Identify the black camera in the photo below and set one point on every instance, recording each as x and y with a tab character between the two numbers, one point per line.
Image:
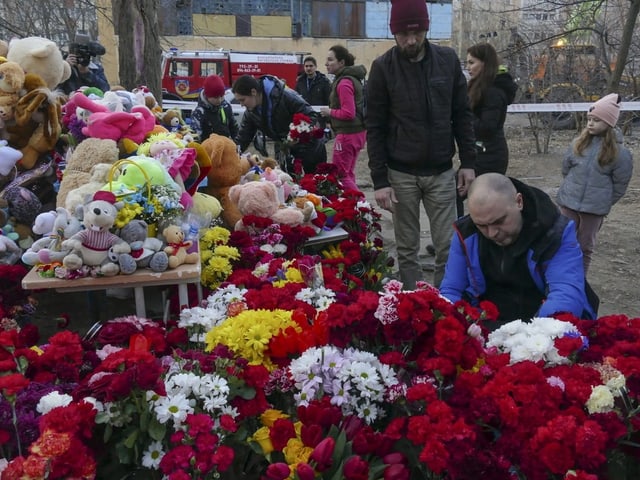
84	49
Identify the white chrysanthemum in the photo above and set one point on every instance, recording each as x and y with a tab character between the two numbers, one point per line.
353	379
53	400
175	408
114	415
153	455
183	382
214	389
196	317
368	411
601	400
305	295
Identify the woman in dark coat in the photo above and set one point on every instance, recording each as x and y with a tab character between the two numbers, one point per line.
491	89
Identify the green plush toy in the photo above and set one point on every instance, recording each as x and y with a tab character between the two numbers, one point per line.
138	171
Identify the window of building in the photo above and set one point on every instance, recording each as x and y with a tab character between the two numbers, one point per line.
338	19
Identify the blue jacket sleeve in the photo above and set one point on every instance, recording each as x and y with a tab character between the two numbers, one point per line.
456	279
564	278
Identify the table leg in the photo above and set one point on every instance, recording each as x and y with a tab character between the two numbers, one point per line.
183	296
140	306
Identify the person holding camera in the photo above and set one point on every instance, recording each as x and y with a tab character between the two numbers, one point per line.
84	71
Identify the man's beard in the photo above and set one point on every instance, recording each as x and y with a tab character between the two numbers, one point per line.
412	52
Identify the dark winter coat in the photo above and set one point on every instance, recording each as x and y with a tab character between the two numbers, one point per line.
315	91
488	125
273	118
416	114
207	119
553	259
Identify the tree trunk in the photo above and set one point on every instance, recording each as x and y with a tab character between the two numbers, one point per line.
140	54
625	45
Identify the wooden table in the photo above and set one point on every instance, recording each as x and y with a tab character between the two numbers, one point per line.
180	276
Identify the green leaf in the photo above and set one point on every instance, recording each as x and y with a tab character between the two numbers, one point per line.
130	441
157	430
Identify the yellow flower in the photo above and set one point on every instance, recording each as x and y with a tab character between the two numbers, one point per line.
261	437
227	252
215	236
248	333
269	416
291	275
296	452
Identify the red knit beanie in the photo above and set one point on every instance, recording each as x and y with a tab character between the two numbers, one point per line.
407	15
213	86
607	109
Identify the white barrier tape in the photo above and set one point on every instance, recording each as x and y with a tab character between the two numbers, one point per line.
515	108
563	107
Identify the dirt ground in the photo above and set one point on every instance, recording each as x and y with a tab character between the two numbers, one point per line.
614	273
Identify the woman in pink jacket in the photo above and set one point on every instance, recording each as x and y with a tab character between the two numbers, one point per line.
346	112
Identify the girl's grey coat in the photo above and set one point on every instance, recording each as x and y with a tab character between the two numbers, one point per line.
589	188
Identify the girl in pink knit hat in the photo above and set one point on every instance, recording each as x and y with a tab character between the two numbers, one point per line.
596	170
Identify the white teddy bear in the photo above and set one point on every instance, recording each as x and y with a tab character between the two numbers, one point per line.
91	246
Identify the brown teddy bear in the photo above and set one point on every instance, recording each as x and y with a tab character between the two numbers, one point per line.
177	247
227	167
37	126
11	79
88	153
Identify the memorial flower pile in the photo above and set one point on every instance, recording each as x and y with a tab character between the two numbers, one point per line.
314	364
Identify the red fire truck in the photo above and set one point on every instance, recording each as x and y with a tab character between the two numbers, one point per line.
183	72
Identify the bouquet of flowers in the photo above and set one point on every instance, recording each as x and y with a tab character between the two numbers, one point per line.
303	130
160	207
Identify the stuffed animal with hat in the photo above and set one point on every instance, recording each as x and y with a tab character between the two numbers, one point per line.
90	247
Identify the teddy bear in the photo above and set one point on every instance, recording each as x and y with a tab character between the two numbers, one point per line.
9	251
7	113
77	172
42	57
177	247
227	167
146	252
9	156
48	248
260	199
90	247
36	127
12	79
99	175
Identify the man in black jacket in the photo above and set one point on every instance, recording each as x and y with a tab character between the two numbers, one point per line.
313	85
417	112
